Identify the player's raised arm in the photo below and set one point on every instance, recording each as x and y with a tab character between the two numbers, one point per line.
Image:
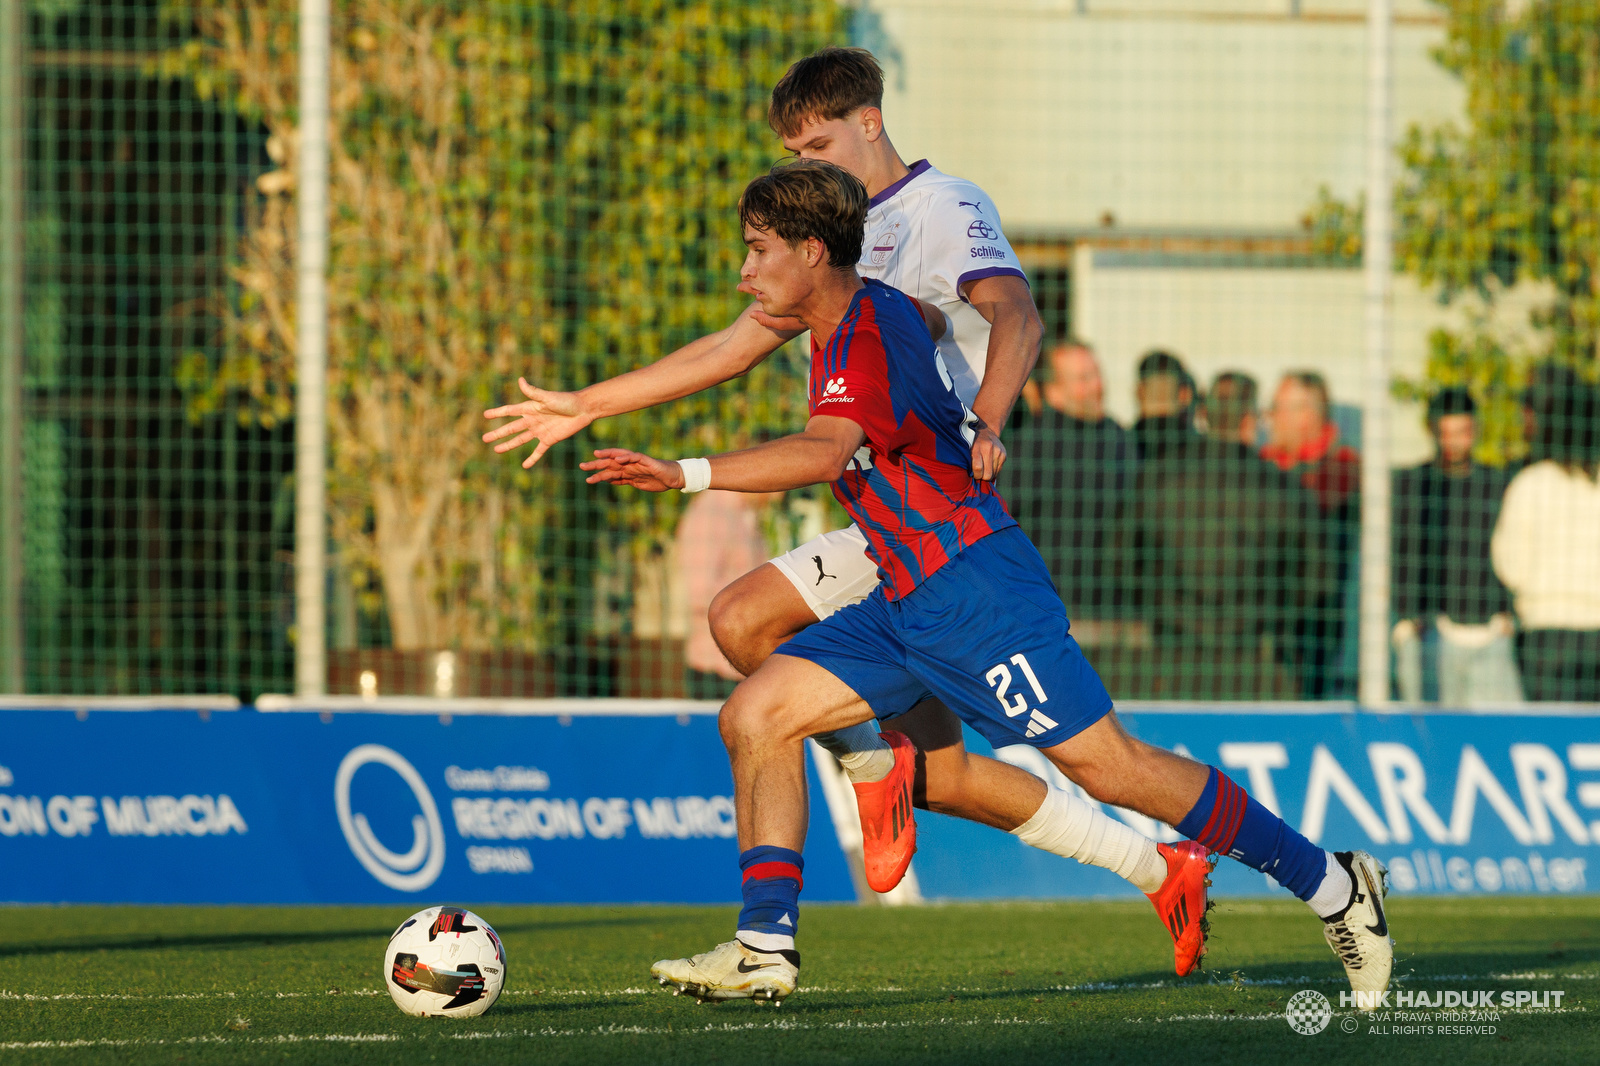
819	454
1014	335
550	417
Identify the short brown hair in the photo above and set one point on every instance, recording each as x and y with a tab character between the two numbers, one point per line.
1315	384
809	198
825	85
1231	400
1044	370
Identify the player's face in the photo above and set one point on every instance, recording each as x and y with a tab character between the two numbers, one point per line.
1296	415
777	275
1457	434
844	142
1082	391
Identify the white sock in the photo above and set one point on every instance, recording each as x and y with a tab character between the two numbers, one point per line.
1333	895
1066	825
766	941
862	753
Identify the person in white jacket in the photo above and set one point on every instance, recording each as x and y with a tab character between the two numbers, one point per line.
1546	548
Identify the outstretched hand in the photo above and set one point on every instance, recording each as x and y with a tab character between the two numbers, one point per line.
622	467
782	324
549	417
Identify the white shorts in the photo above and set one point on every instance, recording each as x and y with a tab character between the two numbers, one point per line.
831	571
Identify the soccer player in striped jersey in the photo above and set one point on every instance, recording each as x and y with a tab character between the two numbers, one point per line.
965	609
940	239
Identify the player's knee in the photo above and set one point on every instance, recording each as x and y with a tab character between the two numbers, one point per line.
753	714
1104	778
736	721
743	627
1105	761
1099	784
729	616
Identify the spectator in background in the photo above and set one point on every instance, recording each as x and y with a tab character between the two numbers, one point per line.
719	540
1451	605
1304	443
1166	404
1546	547
1225	557
1547	383
1231	410
1068	470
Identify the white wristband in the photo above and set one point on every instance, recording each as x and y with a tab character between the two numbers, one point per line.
696	474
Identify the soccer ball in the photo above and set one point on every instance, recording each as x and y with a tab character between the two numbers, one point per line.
444	962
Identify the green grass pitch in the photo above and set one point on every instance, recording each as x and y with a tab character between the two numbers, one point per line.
994	984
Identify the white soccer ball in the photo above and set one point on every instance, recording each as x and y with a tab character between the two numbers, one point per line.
444	962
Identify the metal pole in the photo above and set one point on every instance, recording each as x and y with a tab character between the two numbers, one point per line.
1378	266
311	400
13	186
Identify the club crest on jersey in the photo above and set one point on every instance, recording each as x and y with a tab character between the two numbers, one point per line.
883	246
982	229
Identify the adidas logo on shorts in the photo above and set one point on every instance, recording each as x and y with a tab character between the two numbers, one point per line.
1039	722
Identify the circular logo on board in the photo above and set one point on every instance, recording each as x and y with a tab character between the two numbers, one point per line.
1308	1012
417	868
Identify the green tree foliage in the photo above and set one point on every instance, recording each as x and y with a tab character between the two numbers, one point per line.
538	188
1513	197
1335	228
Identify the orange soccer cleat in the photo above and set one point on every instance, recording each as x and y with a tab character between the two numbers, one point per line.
888	829
1181	901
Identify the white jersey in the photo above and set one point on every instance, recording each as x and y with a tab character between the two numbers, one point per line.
929	234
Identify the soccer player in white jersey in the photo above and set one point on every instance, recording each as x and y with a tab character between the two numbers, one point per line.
939	239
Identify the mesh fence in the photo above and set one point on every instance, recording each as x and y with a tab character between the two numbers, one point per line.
547	189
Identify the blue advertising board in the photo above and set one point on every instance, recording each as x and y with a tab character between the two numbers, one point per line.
249	807
365	808
1452	803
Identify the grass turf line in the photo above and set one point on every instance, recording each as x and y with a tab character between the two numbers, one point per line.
969	983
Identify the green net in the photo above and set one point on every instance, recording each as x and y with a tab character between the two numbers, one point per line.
547	189
151	542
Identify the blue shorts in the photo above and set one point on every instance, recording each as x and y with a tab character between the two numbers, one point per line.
987	634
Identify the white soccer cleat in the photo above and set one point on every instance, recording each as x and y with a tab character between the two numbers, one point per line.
1359	934
732	971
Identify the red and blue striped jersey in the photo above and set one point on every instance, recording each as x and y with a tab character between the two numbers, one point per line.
910	489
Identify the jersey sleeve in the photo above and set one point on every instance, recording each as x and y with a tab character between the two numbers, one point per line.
855	381
964	240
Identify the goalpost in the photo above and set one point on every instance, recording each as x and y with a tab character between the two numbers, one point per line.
1378	268
311	400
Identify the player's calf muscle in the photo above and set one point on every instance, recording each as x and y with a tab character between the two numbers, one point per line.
952	781
981	789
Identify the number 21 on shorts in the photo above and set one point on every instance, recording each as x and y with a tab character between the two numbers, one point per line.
1016	703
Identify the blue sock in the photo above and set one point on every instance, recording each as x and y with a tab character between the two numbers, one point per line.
1227	821
771	897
